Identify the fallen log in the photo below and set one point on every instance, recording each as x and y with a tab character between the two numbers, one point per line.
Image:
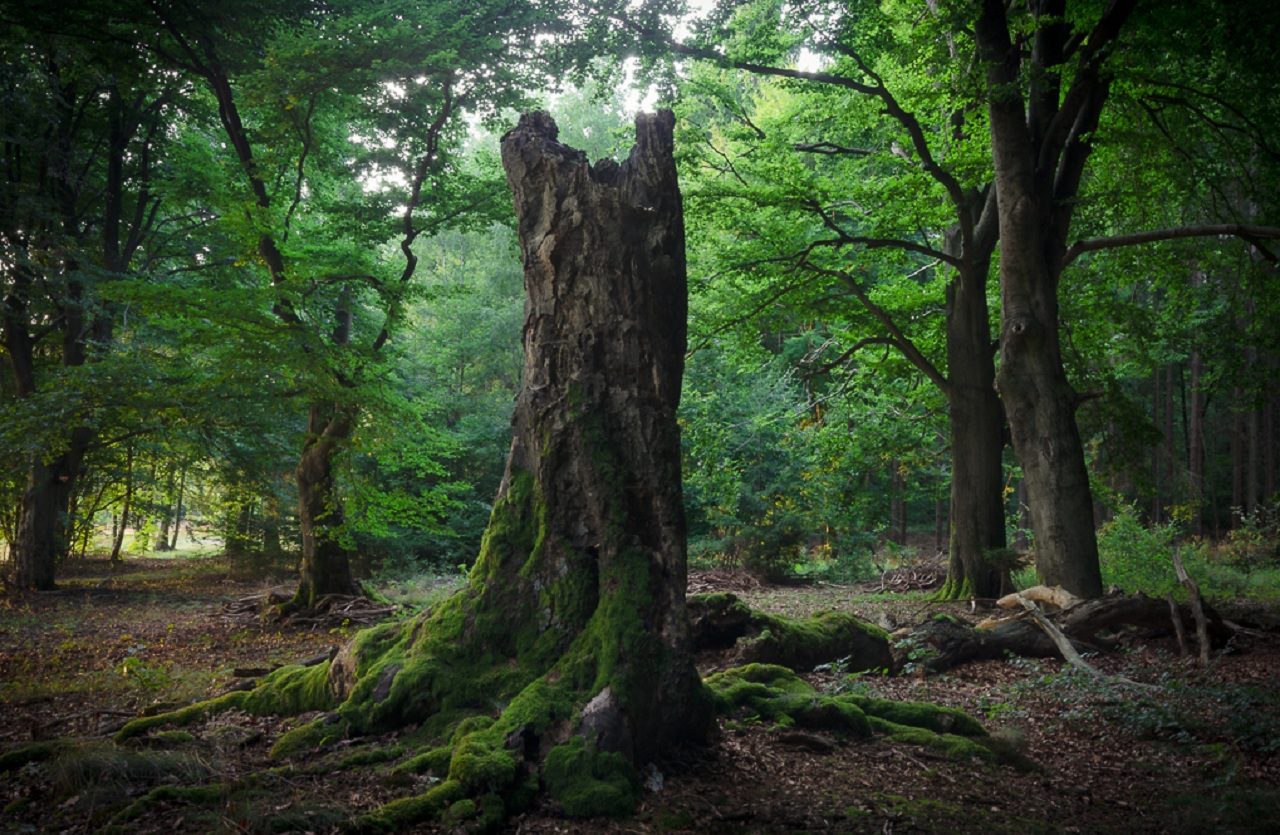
944	641
722	623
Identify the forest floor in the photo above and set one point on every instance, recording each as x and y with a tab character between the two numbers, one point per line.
1200	752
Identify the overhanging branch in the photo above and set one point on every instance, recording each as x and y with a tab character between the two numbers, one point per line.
1239	230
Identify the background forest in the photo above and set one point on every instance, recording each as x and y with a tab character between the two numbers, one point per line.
233	236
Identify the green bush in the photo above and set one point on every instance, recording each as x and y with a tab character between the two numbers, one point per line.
1136	557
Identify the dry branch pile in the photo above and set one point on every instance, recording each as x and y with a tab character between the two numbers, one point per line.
330	611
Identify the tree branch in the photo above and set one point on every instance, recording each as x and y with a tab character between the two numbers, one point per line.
1136	238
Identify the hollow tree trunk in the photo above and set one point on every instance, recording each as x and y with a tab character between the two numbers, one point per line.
326	563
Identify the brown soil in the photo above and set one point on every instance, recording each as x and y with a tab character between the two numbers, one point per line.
1200	754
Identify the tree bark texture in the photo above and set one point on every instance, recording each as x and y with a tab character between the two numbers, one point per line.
326	562
977	441
595	423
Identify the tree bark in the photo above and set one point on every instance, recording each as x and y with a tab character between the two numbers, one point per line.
595	424
573	618
977	441
326	562
117	546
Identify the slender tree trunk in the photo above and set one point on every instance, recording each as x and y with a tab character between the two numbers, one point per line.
1195	442
118	545
166	516
1157	451
179	510
897	504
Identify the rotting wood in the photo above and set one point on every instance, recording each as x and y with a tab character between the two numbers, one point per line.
1178	629
1092	625
1197	606
1055	596
1068	650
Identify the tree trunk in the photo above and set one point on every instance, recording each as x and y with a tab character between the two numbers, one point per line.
166	516
573	619
977	441
1041	139
326	562
1041	407
117	546
33	547
897	504
179	510
1195	442
595	424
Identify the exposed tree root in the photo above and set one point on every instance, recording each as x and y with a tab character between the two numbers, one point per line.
723	622
776	694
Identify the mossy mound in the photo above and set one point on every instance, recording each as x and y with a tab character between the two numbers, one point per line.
775	694
721	620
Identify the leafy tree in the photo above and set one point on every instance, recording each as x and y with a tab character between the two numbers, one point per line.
84	134
306	96
1036	93
867	187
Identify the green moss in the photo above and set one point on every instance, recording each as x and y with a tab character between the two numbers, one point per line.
213	793
470	725
480	763
460	811
953	746
776	694
291	690
922	715
589	783
407	811
33	753
315	734
436	761
491	815
164	739
371	756
954	589
183	716
825	637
